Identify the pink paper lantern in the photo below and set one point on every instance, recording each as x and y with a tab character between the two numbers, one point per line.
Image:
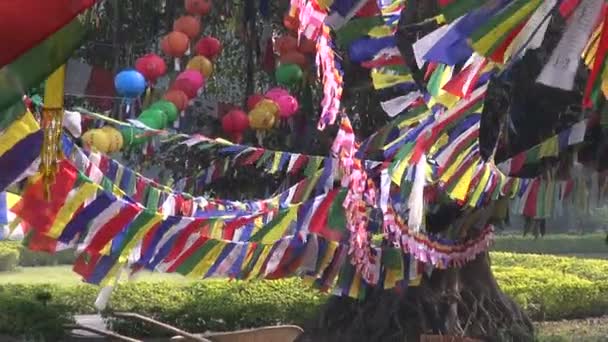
194	76
288	106
275	93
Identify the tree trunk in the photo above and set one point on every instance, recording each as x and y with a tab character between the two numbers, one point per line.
453	302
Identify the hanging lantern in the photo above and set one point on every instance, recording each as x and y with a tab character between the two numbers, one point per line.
114	137
198	7
292	23
275	93
188	87
288	106
202	65
151	66
132	136
307	46
168	107
188	25
294	57
261	119
288	74
129	84
175	44
178	98
269	106
154	118
96	139
285	44
253	100
193	76
235	123
209	47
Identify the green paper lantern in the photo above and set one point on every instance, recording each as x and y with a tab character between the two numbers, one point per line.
130	136
168	108
288	74
153	118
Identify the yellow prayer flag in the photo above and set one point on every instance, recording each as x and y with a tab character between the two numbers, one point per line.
549	148
86	191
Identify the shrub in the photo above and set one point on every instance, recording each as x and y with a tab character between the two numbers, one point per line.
28	258
9	255
32	320
552	244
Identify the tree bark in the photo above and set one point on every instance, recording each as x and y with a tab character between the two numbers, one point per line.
454	302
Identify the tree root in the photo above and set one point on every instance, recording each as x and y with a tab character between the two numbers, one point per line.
456	302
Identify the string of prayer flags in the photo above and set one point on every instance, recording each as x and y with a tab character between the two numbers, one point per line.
597	84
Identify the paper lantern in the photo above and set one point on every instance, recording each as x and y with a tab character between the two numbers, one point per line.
193	76
178	98
154	118
175	44
97	140
253	100
151	66
288	106
209	47
307	45
187	86
269	106
132	136
261	119
168	107
285	44
198	7
188	25
202	65
114	137
288	74
276	92
130	83
235	123
291	23
294	57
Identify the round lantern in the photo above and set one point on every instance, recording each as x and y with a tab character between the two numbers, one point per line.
193	76
130	83
276	92
151	66
294	57
286	44
178	98
253	100
268	106
153	118
175	44
198	7
288	106
188	25
209	47
114	137
307	45
168	107
97	140
291	22
132	136
187	86
202	65
235	123
288	74
261	119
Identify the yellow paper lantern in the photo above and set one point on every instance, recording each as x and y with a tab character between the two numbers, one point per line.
268	106
115	137
261	119
202	65
97	140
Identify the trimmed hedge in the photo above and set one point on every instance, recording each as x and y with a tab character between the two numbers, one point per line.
552	244
27	258
547	287
9	256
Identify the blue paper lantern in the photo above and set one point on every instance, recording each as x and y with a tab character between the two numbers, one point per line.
130	83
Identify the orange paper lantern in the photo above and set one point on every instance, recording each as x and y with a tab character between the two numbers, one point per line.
294	57
307	45
178	98
188	25
175	44
286	44
291	23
